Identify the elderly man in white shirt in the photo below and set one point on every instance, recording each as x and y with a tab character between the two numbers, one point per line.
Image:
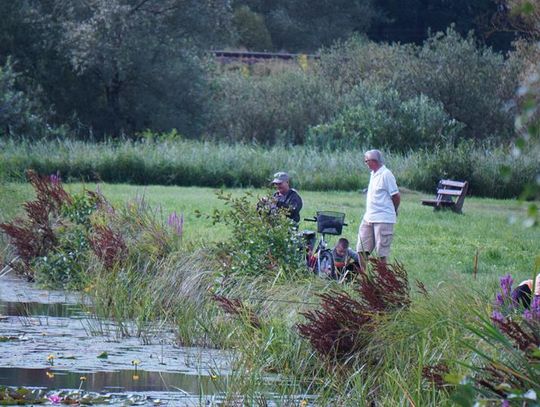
377	227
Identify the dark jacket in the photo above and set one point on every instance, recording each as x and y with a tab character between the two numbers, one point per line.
292	202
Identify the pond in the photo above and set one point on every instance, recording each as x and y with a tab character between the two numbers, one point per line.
50	342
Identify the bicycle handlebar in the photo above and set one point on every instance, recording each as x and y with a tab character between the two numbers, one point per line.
315	220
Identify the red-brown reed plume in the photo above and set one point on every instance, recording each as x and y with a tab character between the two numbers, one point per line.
108	245
342	325
33	236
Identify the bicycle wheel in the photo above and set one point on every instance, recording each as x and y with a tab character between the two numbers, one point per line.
325	264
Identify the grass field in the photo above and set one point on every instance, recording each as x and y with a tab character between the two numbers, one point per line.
435	247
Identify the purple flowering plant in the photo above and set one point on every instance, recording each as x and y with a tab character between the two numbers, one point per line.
176	223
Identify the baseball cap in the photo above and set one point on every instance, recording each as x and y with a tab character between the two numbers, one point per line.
280	177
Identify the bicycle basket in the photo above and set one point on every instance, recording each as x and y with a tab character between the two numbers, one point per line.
330	223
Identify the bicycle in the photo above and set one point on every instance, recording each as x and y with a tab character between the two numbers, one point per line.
321	261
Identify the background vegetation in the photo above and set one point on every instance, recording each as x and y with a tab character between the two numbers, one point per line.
172	161
113	69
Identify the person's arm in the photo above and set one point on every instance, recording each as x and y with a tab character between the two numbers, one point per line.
296	203
396	200
353	255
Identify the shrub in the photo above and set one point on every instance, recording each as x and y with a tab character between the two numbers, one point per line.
263	239
343	325
351	63
34	236
280	107
63	236
65	264
473	83
381	118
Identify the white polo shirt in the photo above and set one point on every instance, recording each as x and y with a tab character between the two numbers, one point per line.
379	205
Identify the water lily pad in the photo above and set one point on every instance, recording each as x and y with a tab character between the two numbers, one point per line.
103	355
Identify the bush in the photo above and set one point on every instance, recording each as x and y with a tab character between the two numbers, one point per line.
63	235
356	61
381	118
474	83
263	239
268	109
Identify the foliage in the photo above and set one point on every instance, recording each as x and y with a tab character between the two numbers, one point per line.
64	265
270	109
528	130
122	65
263	238
20	112
507	349
189	163
344	325
107	39
297	26
381	118
474	84
34	236
251	29
63	235
358	61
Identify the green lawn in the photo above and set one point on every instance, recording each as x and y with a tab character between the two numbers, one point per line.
436	247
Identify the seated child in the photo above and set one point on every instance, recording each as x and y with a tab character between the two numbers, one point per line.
345	259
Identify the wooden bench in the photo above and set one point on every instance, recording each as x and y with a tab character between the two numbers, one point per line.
450	195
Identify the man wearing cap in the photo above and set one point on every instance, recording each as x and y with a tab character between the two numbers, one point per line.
382	202
287	197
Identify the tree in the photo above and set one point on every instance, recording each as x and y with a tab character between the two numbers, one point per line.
20	114
299	25
251	29
137	51
412	20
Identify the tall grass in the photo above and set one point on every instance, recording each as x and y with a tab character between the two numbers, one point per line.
190	163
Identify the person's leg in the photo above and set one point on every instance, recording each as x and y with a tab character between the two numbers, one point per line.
384	234
365	243
522	294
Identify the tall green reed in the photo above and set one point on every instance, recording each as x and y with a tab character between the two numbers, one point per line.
188	163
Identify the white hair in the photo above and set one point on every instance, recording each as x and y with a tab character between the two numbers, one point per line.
374	155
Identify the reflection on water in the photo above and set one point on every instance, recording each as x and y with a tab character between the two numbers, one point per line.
50	341
26	309
120	381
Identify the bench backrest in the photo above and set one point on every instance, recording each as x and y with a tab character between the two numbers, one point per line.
448	189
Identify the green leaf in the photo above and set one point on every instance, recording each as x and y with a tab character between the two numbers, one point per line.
453	378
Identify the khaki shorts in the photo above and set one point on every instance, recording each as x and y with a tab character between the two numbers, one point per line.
375	236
